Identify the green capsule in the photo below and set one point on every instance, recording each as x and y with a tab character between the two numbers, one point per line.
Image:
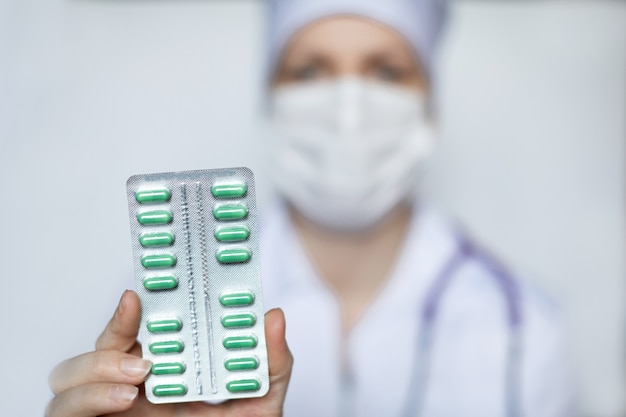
166	282
237	299
243	385
234	189
171	346
239	342
232	233
238	320
231	256
164	326
241	364
171	368
154	217
169	390
149	240
235	211
157	195
165	260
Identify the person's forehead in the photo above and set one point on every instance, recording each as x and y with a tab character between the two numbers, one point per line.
346	34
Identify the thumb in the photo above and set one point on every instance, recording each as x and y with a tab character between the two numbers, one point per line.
121	331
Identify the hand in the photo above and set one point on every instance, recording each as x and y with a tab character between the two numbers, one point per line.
105	382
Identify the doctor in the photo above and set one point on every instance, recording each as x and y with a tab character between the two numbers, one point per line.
392	310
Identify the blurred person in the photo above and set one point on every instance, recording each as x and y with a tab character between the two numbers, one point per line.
392	309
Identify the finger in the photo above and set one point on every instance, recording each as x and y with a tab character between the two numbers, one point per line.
279	356
121	332
109	366
93	400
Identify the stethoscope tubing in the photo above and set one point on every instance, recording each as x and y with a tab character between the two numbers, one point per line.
464	252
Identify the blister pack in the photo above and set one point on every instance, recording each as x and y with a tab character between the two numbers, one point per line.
198	275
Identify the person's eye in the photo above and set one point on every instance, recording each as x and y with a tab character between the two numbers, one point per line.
389	73
306	73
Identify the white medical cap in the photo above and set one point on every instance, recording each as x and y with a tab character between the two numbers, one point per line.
419	21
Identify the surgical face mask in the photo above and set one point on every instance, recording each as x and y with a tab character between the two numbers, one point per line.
345	152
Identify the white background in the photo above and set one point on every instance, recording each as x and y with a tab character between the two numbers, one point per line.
531	159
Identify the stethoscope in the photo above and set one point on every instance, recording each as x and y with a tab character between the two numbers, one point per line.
418	386
465	252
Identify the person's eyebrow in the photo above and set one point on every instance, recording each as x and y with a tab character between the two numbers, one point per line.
307	57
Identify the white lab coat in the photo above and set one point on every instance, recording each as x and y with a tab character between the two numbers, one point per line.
468	358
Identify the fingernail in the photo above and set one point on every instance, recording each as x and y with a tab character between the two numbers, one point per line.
123	393
135	367
122	304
